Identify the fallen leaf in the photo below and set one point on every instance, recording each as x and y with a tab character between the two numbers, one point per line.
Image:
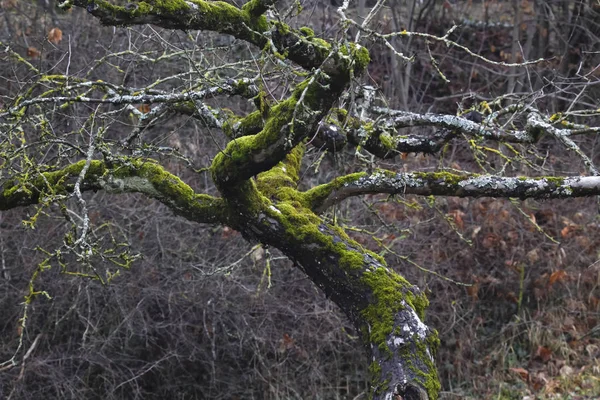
145	108
523	373
457	216
32	52
543	353
55	36
473	291
557	276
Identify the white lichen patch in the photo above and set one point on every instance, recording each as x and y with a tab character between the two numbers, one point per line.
129	184
191	5
395	342
272	207
417	327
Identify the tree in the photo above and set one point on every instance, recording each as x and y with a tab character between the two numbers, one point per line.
258	170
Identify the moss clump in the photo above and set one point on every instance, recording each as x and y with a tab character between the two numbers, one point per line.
248	156
300	223
314	197
305	226
213	15
554	180
428	380
306	31
387	141
27	189
390	294
375	377
283	175
251	124
446	177
255	8
362	58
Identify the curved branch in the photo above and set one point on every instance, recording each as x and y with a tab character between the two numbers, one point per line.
387	311
137	176
448	184
288	123
247	24
282	179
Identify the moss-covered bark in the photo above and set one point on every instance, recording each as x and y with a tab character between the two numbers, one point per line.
132	175
387	310
257	175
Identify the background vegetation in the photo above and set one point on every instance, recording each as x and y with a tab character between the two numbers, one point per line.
203	314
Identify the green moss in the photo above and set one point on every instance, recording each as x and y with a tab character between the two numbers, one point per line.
284	175
376	378
251	124
231	165
306	31
374	370
314	197
426	375
428	380
323	44
302	224
260	101
361	56
554	180
242	151
390	294
28	189
351	260
255	8
447	177
556	117
215	15
387	140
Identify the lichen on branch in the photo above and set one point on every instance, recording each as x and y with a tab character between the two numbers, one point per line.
134	176
449	184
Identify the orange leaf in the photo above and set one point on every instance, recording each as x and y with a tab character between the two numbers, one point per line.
457	216
473	291
55	35
490	240
523	373
593	301
565	231
557	276
543	353
145	108
286	343
33	52
8	4
287	339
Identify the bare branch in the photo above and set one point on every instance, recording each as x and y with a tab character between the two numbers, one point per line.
448	184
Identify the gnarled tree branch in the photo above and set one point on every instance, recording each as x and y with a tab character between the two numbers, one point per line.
135	176
449	184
